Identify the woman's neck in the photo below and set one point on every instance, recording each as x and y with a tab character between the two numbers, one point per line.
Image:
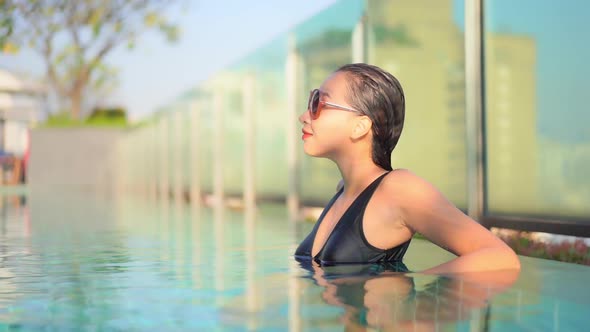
357	175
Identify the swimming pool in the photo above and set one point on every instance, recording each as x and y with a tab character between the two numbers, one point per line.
70	261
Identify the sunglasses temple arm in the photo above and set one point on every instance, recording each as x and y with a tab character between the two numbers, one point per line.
341	107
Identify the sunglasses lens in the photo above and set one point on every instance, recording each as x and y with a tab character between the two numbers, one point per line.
314	101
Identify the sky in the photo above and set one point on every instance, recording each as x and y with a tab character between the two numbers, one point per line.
214	34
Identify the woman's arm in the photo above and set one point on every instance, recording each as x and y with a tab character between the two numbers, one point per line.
426	211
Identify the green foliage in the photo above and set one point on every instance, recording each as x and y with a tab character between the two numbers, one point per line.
100	117
6	25
108	116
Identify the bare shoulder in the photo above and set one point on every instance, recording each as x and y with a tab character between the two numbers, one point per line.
415	196
405	183
401	190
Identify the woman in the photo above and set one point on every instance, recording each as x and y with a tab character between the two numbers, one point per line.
355	119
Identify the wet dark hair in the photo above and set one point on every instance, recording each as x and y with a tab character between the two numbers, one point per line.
378	95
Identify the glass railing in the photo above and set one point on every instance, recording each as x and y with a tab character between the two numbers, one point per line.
537	142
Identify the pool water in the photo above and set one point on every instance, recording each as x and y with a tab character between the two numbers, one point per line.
73	261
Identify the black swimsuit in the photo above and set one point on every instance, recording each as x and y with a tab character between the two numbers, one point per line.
347	243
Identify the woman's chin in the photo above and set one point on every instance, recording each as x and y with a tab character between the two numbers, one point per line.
310	152
313	150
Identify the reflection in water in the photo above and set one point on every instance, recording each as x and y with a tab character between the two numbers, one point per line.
86	264
58	259
11	207
252	304
195	224
387	297
163	224
218	215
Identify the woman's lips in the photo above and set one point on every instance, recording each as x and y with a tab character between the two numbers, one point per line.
305	135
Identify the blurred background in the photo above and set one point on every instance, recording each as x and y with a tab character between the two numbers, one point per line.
198	101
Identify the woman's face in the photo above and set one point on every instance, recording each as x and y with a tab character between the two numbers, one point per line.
330	132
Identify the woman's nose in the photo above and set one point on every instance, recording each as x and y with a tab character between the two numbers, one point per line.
304	117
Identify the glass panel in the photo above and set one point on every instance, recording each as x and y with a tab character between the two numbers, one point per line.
229	84
266	67
203	106
266	70
538	141
422	44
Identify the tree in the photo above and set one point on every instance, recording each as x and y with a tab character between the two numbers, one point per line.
74	37
5	25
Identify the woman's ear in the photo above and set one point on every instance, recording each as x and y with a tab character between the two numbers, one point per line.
361	128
